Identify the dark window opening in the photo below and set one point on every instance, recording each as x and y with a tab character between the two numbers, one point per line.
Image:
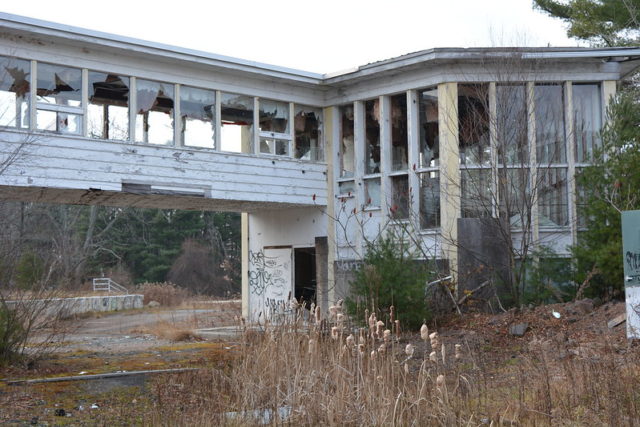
305	276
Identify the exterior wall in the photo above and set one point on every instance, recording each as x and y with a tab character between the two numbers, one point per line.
67	307
272	237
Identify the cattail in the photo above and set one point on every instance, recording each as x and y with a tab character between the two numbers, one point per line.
312	346
293	304
434	340
392	312
408	350
335	332
444	354
380	328
373	354
397	322
333	310
350	341
361	350
406	368
339	306
433	357
458	350
440	383
340	320
382	349
387	335
318	315
362	340
372	322
424	332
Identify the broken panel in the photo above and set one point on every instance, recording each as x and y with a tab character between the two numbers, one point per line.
346	188
236	123
372	193
14	92
155	103
549	114
553	199
429	200
512	125
198	117
372	136
429	156
399	133
587	108
308	133
108	110
274	127
347	150
59	98
473	124
401	197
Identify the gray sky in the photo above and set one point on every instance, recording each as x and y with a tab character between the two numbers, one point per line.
320	36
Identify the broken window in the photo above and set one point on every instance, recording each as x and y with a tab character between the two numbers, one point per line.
553	197
154	121
429	132
372	193
399	134
14	92
473	124
512	124
587	107
275	137
429	200
237	123
372	136
346	188
308	133
515	196
401	197
197	115
549	113
475	193
108	110
346	145
59	93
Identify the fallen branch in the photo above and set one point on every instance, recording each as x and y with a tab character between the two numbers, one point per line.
98	376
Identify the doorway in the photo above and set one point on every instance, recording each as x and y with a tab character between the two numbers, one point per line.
305	275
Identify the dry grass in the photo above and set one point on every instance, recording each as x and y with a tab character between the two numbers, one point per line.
169	331
167	294
341	376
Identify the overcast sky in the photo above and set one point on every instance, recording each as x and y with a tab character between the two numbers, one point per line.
320	36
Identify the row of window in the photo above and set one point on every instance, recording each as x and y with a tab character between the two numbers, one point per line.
165	113
510	116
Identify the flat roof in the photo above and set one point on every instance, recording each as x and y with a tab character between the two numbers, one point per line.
72	33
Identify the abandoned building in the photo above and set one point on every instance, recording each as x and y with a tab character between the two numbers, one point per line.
456	147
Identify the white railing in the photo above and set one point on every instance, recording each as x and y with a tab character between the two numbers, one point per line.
106	284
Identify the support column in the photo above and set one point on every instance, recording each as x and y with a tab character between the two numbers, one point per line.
413	123
244	249
449	172
386	189
332	143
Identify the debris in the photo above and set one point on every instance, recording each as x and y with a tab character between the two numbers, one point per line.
518	329
94	406
82	372
556	314
60	412
617	320
153	304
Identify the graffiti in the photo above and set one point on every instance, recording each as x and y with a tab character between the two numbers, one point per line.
266	275
633	260
348	265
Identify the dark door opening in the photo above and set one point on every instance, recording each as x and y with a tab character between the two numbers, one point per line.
305	275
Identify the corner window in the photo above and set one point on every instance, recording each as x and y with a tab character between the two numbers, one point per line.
14	92
197	117
308	133
108	110
236	123
59	99
154	121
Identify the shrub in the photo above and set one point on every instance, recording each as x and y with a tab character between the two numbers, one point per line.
12	334
167	294
390	275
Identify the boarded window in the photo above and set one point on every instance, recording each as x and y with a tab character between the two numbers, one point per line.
154	121
237	123
14	92
197	114
108	111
